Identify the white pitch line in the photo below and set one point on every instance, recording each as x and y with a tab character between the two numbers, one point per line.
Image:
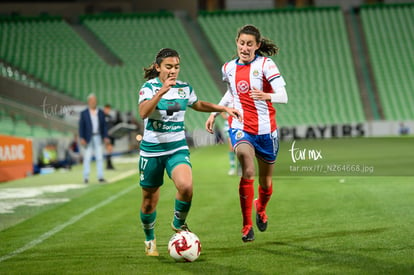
124	175
66	224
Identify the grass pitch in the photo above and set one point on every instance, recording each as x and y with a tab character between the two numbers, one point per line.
337	222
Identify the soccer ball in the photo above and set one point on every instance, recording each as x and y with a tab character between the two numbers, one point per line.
184	246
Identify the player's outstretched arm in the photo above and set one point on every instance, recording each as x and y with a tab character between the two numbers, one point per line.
204	106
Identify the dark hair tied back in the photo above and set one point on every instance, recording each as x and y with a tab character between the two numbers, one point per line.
151	72
164	53
267	47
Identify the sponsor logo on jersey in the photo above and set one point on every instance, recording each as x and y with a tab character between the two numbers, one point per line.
157	125
255	73
242	86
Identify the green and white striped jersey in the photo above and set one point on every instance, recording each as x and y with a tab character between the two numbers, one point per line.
164	128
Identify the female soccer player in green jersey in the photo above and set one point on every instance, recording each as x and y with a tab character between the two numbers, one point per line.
163	100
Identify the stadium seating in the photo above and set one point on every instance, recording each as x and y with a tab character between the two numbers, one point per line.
314	58
21	128
390	39
49	49
14	124
7	125
137	39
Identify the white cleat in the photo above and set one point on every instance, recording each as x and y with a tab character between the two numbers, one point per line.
151	248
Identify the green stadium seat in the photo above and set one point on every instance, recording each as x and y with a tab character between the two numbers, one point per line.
7	126
22	129
392	65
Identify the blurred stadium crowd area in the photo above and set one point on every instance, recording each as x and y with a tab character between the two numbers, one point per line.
349	62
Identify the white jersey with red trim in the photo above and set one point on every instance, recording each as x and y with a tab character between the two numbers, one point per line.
259	116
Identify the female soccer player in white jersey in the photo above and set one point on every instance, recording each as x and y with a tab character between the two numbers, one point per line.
163	100
254	84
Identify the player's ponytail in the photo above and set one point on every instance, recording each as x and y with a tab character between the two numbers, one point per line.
267	47
151	71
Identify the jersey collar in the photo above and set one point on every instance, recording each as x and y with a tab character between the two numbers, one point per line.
238	63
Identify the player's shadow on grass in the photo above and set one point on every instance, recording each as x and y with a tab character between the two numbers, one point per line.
340	234
334	255
205	266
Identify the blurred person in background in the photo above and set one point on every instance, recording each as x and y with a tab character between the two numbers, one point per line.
93	132
227	100
110	122
48	158
74	151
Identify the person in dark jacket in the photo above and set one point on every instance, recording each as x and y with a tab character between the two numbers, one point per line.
93	132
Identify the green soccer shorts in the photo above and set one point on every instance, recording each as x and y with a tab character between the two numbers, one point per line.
151	169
